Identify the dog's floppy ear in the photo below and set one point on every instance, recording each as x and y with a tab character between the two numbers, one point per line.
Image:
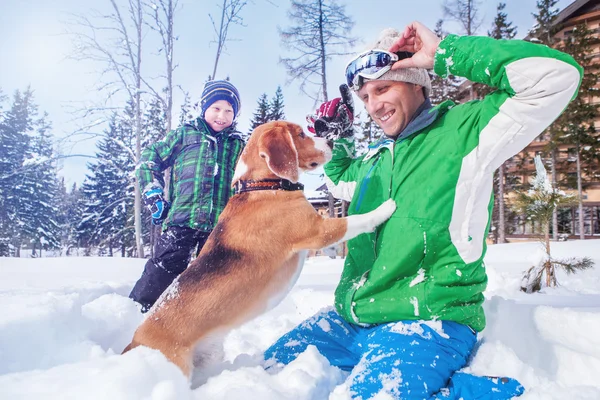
277	148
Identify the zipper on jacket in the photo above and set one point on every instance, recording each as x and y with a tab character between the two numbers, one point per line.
363	185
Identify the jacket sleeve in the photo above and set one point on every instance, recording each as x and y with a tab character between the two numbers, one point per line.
341	173
156	158
534	85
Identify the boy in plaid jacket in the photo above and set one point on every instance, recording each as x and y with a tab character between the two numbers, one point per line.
202	156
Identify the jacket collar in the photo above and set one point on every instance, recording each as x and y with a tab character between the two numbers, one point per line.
200	125
424	116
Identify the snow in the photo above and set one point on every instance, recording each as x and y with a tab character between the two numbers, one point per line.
64	322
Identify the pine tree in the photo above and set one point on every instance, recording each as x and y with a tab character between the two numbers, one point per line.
38	193
544	32
187	112
107	220
276	107
366	132
154	128
3	98
501	29
443	89
261	115
545	29
69	216
538	204
15	129
575	127
154	123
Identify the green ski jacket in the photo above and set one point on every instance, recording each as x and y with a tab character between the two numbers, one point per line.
202	164
426	261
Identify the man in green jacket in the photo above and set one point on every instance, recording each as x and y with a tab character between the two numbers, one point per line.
202	156
409	303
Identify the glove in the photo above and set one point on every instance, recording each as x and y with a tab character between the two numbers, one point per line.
333	120
158	206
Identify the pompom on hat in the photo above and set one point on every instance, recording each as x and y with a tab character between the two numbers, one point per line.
418	76
220	90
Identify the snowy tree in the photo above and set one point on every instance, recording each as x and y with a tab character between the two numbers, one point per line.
154	123
69	215
545	29
502	28
107	220
538	204
366	132
3	98
443	89
115	40
576	126
16	127
320	31
544	32
38	193
261	114
267	110
276	107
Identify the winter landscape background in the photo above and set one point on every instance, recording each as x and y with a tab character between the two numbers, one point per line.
66	191
64	322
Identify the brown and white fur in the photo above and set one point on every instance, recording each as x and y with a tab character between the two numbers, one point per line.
256	251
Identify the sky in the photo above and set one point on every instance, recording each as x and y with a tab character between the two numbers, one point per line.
65	321
35	52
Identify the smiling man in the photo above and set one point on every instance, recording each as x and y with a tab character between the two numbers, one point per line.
409	302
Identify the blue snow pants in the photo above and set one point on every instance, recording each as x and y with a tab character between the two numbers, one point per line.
405	360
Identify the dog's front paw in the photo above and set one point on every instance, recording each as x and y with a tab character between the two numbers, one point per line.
385	210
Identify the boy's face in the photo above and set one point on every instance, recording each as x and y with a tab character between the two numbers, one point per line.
219	115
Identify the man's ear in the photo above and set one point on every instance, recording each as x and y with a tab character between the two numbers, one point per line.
277	148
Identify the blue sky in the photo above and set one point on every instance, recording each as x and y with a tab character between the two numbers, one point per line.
34	53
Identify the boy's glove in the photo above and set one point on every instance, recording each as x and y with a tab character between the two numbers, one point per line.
333	120
158	206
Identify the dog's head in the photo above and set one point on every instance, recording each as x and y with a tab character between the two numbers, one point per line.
283	149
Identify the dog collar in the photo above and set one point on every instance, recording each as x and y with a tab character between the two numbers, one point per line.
266	184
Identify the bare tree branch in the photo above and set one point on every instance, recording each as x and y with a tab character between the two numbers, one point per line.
320	32
230	14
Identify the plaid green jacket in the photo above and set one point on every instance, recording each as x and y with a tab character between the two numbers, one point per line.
202	169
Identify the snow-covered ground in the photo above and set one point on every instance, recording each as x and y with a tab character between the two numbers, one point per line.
64	321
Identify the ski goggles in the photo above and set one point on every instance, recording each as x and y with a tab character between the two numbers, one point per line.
371	65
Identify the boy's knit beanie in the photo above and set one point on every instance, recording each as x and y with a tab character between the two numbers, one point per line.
220	90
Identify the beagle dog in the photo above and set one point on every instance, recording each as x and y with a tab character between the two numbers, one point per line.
255	253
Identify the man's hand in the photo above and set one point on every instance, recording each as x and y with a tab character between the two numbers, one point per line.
158	206
419	40
334	118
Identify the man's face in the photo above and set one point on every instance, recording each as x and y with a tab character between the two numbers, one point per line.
219	115
391	104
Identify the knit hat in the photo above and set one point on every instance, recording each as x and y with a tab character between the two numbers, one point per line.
220	90
418	76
